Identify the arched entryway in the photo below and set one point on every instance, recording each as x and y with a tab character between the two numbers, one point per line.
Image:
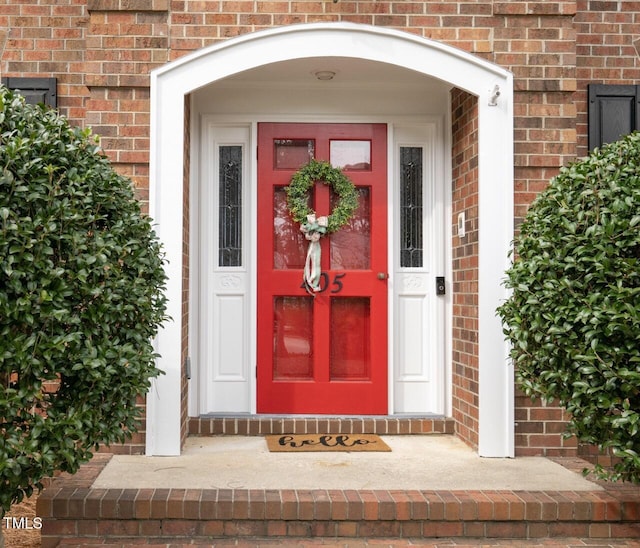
363	48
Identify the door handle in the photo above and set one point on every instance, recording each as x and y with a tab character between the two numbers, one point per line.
382	275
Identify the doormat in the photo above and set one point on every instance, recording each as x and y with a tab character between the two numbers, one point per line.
302	443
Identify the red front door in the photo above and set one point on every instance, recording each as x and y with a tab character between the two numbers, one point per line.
324	354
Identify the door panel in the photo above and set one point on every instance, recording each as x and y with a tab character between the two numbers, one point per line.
326	353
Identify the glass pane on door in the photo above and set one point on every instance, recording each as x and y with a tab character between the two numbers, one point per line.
351	155
350	338
293	153
351	245
290	245
293	338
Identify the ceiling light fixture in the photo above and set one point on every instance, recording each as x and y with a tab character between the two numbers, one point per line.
324	75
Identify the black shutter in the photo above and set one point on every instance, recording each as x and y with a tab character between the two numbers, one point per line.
614	111
34	90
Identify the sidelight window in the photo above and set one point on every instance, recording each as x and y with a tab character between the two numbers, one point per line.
230	206
411	207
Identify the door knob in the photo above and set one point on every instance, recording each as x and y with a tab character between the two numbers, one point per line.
382	275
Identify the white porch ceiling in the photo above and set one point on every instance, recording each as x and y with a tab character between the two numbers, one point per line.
348	71
359	87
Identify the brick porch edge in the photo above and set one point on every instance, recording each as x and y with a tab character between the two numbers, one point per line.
72	509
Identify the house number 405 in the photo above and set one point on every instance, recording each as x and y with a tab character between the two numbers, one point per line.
336	283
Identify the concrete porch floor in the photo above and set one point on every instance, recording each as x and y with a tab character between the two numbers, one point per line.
436	462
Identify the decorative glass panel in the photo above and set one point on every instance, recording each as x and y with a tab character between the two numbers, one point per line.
411	207
350	338
293	153
351	245
230	206
293	338
290	245
351	155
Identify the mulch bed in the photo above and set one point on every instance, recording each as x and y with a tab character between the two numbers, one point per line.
19	537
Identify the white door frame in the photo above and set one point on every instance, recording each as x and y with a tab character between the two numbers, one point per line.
223	351
170	84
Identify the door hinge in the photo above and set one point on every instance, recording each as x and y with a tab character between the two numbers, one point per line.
441	286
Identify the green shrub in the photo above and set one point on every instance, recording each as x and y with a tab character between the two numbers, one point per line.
81	297
573	317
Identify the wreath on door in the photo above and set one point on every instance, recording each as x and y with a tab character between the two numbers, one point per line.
314	227
305	178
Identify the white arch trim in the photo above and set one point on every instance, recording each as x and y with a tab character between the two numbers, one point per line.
169	85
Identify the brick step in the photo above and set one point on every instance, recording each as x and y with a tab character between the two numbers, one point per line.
73	511
258	425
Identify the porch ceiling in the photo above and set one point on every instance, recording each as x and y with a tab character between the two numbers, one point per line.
348	71
359	87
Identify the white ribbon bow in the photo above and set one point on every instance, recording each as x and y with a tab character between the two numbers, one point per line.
313	230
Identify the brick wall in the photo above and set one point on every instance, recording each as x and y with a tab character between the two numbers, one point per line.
47	38
464	154
195	24
102	51
123	45
536	41
539	429
592	42
607	49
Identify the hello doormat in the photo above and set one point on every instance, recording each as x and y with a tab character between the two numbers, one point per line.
298	443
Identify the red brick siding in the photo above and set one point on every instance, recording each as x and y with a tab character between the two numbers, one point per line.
48	38
551	128
123	46
120	115
195	24
539	429
608	51
464	130
536	41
